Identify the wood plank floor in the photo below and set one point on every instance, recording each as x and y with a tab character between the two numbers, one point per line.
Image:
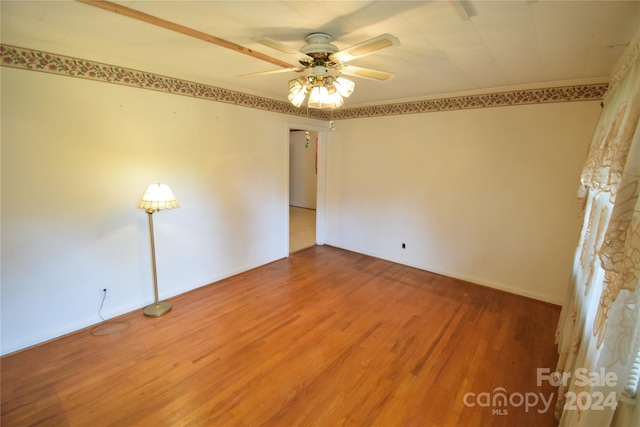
325	337
302	228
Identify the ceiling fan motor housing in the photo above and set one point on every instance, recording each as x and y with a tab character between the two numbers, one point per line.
318	46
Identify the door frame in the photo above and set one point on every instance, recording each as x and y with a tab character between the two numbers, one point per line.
321	179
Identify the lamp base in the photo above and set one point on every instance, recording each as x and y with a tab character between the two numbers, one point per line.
157	310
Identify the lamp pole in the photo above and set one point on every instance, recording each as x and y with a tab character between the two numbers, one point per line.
158	308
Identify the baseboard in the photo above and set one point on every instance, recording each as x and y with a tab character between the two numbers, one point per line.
460	276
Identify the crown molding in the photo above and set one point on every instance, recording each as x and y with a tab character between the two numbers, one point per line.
34	60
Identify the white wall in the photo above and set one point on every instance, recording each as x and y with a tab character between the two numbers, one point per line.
486	195
77	156
302	169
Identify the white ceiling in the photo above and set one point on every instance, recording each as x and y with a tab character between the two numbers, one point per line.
508	44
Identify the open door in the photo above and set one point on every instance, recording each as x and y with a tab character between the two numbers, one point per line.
303	184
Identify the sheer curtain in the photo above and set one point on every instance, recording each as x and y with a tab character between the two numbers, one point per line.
598	334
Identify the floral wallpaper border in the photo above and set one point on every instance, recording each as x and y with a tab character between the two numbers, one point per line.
519	97
17	57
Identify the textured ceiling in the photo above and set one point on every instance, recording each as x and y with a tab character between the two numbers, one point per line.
507	44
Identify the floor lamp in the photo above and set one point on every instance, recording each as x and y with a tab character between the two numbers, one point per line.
157	197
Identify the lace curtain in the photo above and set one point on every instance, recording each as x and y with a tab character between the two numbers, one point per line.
599	330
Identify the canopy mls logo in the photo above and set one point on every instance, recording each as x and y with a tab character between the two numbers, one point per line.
499	400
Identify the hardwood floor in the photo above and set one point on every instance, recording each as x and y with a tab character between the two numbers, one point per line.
325	337
302	228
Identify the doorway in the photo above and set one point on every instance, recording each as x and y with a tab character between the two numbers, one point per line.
303	184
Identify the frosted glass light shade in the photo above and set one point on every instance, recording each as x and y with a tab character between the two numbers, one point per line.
335	100
325	97
344	86
319	97
158	197
324	91
297	91
298	98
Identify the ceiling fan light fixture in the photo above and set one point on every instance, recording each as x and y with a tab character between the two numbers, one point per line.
296	85
319	97
297	91
335	99
344	86
325	96
297	99
324	91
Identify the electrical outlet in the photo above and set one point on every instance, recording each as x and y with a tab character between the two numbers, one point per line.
104	294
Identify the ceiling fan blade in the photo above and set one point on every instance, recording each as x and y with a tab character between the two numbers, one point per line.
266	73
365	48
367	73
275	44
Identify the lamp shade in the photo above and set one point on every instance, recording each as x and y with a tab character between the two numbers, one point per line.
325	91
319	97
297	91
335	100
344	86
158	197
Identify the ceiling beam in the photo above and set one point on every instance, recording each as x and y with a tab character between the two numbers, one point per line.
159	22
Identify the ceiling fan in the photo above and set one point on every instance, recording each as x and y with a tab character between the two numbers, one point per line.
323	65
